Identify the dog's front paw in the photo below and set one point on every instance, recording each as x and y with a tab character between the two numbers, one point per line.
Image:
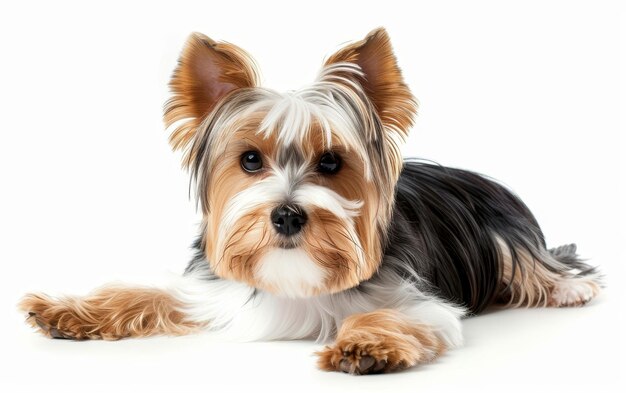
58	319
356	359
381	341
110	313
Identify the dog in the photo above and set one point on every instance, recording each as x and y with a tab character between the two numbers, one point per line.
315	226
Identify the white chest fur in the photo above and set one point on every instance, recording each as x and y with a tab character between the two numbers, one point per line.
291	272
236	311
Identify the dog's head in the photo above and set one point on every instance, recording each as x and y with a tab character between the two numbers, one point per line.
296	188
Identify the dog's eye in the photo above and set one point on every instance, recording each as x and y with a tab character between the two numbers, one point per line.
329	163
251	161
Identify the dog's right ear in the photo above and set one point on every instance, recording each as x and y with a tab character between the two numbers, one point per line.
207	72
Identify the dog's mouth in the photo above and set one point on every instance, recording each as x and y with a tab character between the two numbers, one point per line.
288	243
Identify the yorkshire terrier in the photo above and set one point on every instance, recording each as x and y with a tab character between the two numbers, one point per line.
315	226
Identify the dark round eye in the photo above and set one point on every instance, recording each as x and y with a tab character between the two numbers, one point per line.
251	161
329	163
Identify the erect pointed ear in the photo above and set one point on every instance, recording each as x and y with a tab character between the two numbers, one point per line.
207	72
382	79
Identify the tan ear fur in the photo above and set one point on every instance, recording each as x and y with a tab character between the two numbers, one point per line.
383	82
207	72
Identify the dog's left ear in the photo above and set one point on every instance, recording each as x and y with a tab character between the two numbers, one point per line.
382	79
207	72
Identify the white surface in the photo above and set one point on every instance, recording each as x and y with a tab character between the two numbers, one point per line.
91	193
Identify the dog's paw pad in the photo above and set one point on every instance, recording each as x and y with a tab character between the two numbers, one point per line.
366	362
55	333
48	329
363	365
357	360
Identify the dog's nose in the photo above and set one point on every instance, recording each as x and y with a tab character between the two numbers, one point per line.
288	220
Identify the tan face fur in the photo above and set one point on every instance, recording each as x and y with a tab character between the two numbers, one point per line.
359	109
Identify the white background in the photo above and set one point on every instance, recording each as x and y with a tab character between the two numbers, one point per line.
91	193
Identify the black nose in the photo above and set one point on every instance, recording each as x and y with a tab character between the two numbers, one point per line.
288	220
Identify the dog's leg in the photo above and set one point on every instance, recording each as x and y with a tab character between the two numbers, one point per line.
110	313
388	340
553	278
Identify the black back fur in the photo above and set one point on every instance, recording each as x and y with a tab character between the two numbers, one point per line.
444	228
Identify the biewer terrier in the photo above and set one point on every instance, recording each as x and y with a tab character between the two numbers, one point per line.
315	226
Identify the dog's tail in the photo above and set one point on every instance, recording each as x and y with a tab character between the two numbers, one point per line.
566	255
